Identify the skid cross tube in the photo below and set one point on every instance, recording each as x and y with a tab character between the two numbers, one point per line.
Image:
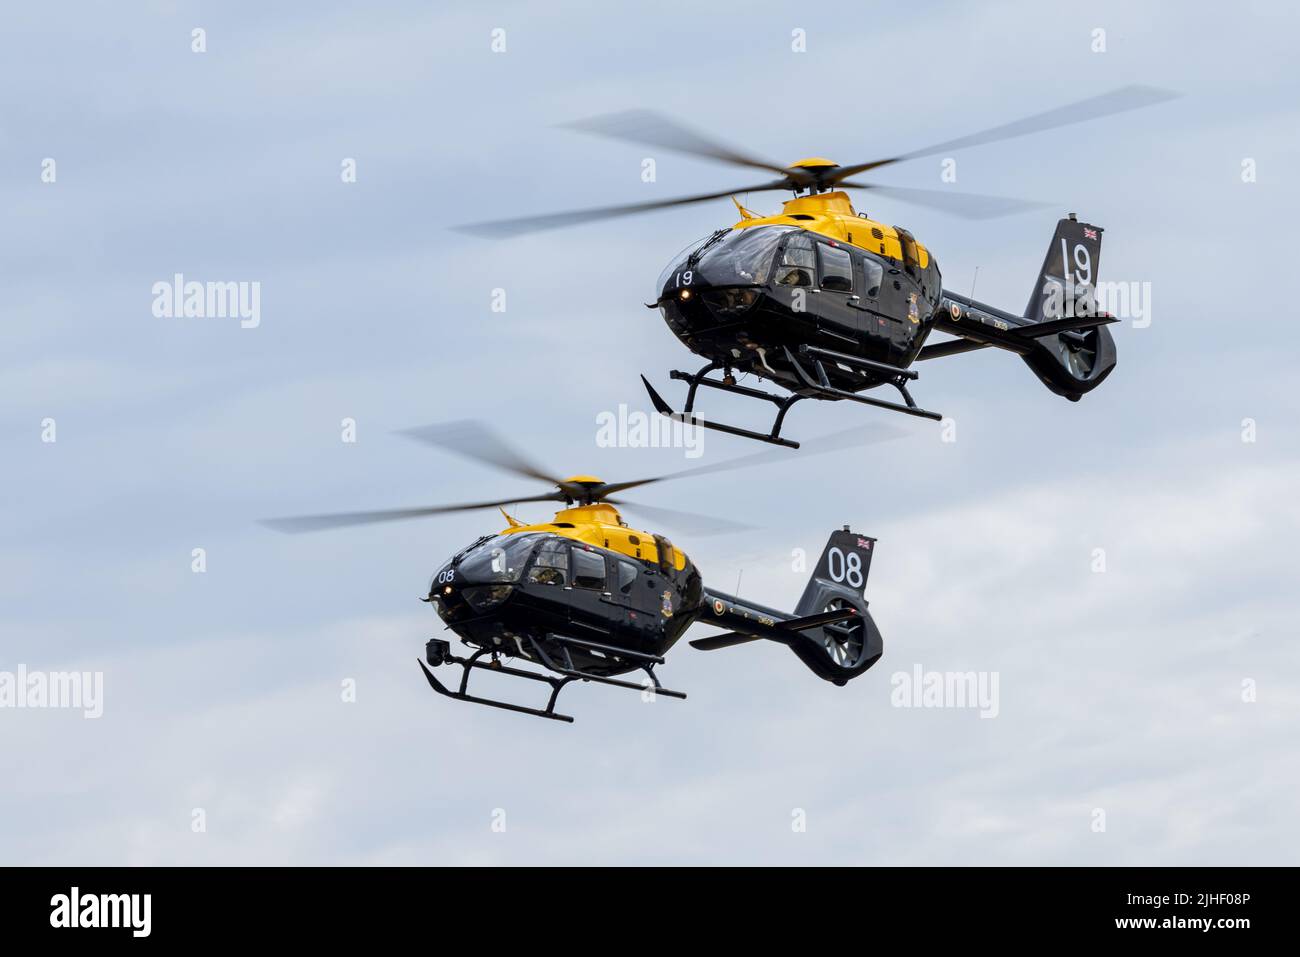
607	649
857	362
822	388
473	662
772	437
575	673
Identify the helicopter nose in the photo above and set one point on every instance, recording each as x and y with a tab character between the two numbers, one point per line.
681	315
725	302
467	598
707	305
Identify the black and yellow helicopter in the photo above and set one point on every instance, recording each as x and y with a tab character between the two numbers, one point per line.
589	598
830	304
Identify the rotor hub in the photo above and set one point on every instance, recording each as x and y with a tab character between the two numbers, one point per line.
582	489
815	170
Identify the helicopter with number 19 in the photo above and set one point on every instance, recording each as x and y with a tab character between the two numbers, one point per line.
830	304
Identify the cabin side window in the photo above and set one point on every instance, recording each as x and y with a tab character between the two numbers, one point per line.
911	255
873	275
551	564
837	268
626	577
797	263
932	285
588	569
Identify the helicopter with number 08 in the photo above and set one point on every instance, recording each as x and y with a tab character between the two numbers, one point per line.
830	304
589	598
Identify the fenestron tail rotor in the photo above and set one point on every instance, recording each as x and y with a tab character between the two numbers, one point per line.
476	441
646	127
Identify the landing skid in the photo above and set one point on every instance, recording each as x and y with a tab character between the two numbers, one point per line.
899	378
700	378
472	662
438	652
815	384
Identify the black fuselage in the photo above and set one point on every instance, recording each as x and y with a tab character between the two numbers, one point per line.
544	584
745	314
742	298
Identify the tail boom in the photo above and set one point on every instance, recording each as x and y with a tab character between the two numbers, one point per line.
830	631
1062	335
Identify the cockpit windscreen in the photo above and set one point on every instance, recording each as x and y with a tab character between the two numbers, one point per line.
743	257
499	559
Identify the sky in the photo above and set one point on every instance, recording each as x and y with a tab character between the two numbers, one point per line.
1122	566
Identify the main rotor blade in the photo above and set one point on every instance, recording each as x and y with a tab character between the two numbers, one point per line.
697	524
503	228
476	440
317	523
969	205
1116	101
857	436
655	129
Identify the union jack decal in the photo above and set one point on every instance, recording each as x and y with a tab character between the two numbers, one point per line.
1089	233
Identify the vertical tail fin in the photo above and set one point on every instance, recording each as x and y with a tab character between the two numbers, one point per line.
1069	270
1070	363
843	569
844	650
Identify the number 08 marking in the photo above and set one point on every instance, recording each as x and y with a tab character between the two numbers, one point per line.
844	568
